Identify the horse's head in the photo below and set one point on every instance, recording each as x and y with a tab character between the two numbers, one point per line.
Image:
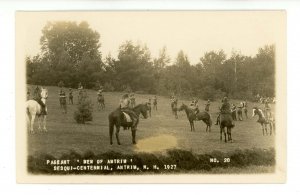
254	111
181	107
144	109
44	93
257	111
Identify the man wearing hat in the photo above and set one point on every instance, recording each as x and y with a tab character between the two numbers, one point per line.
124	106
225	109
207	106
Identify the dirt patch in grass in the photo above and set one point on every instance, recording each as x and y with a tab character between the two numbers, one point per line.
156	144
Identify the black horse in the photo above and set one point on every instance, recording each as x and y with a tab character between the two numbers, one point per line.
226	121
117	118
204	116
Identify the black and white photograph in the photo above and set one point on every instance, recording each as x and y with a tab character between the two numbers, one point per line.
151	96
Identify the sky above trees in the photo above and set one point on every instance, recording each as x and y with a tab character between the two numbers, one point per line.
193	32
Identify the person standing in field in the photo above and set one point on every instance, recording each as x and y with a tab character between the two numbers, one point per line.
70	96
149	103
155	103
207	106
62	100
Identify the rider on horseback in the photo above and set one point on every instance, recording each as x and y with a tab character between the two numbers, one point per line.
99	93
124	106
224	109
38	98
194	106
267	109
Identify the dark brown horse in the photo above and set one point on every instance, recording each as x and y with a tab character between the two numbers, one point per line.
226	121
117	118
204	116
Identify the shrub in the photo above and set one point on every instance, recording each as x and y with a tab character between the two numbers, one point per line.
84	109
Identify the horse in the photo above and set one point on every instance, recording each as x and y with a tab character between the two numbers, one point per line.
226	121
263	121
174	108
100	101
117	119
192	116
34	109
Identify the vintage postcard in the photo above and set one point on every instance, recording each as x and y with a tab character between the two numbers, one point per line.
151	96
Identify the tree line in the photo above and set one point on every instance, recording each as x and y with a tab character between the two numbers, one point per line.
71	53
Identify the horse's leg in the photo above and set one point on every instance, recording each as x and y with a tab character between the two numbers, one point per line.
111	131
191	125
39	119
117	134
225	134
44	122
263	130
32	122
133	133
229	134
221	133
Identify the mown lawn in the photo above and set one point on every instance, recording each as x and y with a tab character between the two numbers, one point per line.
155	135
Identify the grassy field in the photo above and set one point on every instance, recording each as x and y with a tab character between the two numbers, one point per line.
156	134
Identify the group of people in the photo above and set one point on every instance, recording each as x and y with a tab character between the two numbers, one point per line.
237	111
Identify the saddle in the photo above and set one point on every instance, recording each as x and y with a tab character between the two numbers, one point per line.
127	117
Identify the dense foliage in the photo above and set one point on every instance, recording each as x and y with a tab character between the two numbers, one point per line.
84	112
70	53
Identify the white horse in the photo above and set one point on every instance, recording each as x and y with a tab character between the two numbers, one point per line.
34	109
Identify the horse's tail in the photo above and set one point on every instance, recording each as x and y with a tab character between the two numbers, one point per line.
111	126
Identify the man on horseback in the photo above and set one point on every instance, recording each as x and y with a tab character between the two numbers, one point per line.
224	109
124	107
131	100
267	108
194	106
37	97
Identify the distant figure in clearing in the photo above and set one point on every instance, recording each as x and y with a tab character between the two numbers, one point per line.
63	101
70	96
155	103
